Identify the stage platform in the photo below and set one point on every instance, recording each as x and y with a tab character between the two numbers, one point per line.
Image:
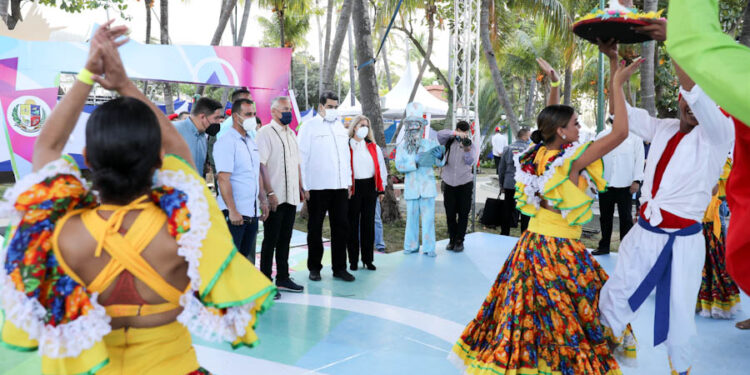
405	317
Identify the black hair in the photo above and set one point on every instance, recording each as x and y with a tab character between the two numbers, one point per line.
522	131
236	93
257	120
206	106
328	95
183	113
463	126
237	104
549	119
123	149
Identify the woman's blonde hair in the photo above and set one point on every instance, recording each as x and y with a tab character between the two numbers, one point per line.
355	121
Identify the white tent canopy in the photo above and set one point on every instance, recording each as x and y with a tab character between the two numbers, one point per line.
347	109
394	103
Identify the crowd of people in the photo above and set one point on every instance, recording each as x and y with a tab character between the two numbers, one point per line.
115	276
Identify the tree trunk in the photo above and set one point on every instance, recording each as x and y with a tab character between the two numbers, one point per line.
530	101
164	7
148	4
4	4
386	67
338	42
233	28
15	14
497	79
226	11
351	68
648	91
321	62
243	24
368	90
281	27
329	18
745	34
430	13
568	88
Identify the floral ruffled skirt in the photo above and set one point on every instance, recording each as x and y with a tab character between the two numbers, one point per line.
541	315
719	297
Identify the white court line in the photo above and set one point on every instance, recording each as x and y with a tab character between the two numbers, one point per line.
228	363
427	345
444	329
337	362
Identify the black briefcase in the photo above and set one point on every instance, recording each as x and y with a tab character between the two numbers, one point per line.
492	213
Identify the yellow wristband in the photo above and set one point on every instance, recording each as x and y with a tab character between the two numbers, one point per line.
85	76
555	84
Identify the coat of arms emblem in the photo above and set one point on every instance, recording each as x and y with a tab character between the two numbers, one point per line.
27	115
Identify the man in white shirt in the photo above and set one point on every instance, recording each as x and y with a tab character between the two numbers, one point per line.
499	143
325	165
623	170
666	250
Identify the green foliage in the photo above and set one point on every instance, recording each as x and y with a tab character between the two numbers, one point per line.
76	6
296	27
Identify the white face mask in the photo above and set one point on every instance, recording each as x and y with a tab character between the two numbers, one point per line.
331	115
249	124
362	132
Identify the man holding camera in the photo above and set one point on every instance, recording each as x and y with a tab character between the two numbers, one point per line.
458	181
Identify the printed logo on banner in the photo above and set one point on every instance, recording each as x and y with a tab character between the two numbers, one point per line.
27	115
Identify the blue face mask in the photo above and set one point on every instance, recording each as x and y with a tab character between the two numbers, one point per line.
286	118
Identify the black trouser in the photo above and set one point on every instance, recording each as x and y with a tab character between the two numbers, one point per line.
510	215
277	233
244	235
457	201
607	201
497	162
362	221
335	203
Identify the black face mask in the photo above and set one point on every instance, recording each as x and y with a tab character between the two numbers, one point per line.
213	129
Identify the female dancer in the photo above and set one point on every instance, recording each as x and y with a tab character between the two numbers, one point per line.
718	297
369	175
116	278
541	314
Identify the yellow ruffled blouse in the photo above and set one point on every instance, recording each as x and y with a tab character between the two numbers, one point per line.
543	174
712	212
48	310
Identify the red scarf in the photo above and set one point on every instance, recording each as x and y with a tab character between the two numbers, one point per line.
371	146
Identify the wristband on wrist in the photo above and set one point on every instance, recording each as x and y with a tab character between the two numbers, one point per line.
270	194
555	84
85	77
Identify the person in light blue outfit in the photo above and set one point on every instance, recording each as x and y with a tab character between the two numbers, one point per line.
416	157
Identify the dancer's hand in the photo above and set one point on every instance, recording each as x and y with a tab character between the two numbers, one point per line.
656	29
609	48
548	70
114	77
623	73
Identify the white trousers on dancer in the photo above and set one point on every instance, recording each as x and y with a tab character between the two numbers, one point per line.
637	255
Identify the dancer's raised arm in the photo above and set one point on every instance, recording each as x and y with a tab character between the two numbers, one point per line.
554	79
619	131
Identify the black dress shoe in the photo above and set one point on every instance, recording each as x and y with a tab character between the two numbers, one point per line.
450	246
315	275
459	247
353	267
370	266
277	296
288	285
600	252
343	275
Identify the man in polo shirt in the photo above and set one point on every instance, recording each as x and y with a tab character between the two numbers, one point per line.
204	120
241	196
279	156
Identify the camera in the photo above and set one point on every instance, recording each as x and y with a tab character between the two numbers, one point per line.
465	141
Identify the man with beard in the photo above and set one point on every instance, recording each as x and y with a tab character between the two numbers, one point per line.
416	157
666	250
205	119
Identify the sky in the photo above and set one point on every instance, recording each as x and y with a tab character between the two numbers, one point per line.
193	22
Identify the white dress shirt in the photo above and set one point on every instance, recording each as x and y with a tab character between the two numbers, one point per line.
238	155
499	143
278	150
364	166
697	163
325	159
624	165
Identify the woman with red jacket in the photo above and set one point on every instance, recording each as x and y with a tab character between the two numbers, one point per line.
369	174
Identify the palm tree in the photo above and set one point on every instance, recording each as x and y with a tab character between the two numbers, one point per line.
648	51
164	21
335	50
368	91
745	34
226	10
296	27
280	7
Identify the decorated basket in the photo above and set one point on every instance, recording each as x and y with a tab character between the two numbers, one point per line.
616	22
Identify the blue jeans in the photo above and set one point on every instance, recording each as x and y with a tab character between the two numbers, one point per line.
379	243
244	235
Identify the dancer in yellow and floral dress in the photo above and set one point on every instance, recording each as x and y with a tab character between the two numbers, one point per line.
719	296
541	315
114	278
